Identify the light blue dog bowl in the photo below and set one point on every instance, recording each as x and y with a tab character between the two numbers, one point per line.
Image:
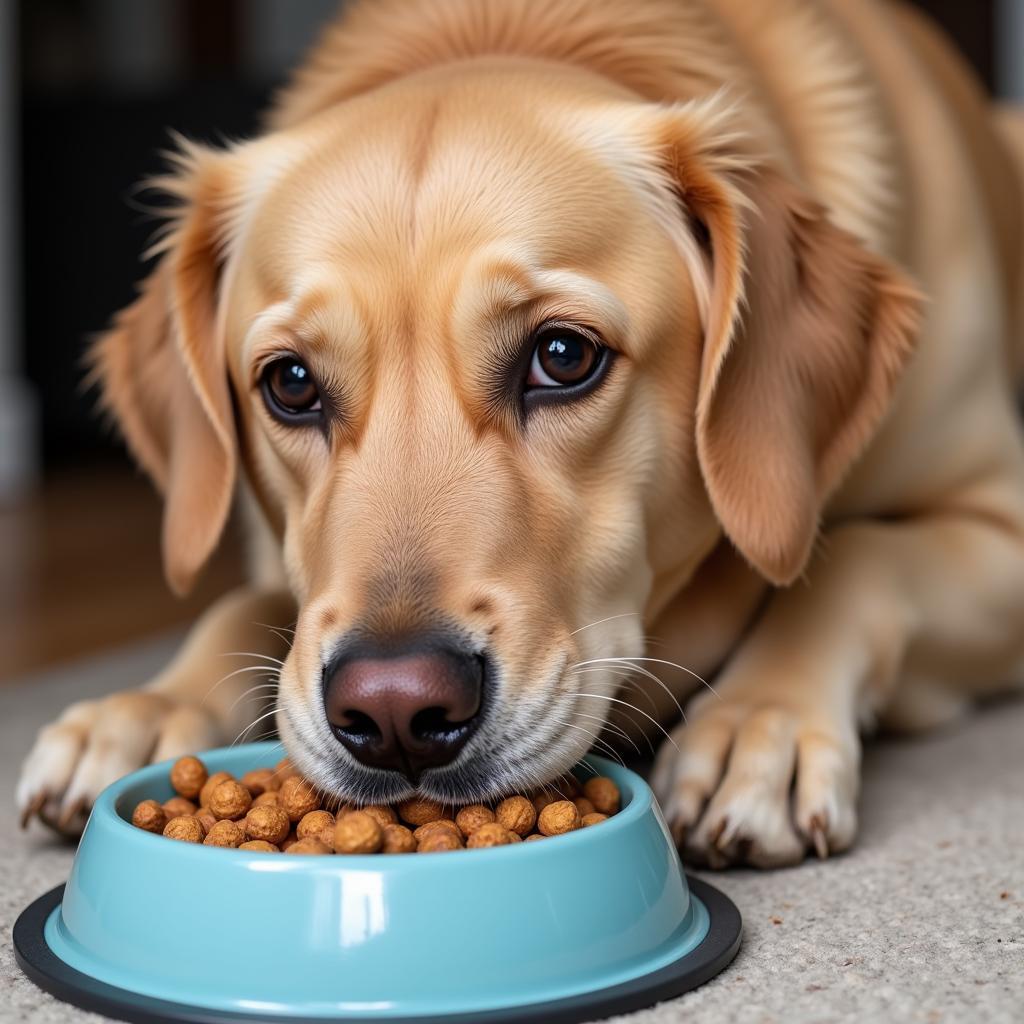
573	928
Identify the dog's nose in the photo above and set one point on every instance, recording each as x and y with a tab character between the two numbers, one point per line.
406	712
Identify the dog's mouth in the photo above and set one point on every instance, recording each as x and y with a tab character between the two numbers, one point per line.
502	751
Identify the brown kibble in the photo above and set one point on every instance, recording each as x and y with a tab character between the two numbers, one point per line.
569	785
150	817
584	806
383	815
308	845
177	806
260	846
188	776
438	841
225	833
492	834
398	839
230	800
260	781
271	798
313	824
594	818
517	814
298	798
542	800
433	826
270	824
206	817
471	817
185	828
419	811
558	818
515	837
210	785
284	770
533	835
603	794
292	838
357	832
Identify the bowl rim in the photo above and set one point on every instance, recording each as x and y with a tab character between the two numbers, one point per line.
641	798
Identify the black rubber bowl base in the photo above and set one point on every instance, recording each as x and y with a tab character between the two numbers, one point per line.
716	952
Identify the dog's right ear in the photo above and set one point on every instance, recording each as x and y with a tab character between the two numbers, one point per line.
163	372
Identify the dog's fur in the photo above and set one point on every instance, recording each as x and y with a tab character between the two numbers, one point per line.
799	225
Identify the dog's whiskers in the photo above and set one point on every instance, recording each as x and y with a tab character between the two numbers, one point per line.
640	711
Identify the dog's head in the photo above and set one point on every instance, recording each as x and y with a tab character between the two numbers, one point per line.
502	354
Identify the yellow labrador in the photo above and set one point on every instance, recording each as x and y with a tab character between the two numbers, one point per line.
562	355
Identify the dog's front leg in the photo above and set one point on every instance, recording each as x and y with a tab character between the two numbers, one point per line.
216	685
767	766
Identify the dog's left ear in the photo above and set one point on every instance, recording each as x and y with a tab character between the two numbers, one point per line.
163	371
806	335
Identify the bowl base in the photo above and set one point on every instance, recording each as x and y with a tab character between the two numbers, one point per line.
43	967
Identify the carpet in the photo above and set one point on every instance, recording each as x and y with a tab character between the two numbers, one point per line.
922	921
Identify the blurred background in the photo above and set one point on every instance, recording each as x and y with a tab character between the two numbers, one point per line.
88	90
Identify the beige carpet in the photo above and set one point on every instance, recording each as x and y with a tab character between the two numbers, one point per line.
923	921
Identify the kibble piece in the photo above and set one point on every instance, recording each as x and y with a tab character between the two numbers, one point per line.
298	798
271	798
314	823
470	818
210	785
230	800
188	776
492	834
569	785
592	819
225	833
260	781
270	824
384	815
149	816
185	828
584	806
445	824
206	818
357	832
284	769
558	818
419	811
177	806
289	841
603	794
517	814
308	845
439	841
542	800
533	835
398	839
260	846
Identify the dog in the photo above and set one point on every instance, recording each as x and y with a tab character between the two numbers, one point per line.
567	361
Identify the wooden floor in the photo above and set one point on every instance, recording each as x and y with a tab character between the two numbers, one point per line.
80	570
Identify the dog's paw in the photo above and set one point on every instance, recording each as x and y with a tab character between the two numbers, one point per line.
96	742
757	785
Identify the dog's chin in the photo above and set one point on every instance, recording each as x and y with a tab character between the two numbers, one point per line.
471	781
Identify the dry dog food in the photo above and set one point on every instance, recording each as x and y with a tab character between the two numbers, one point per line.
276	810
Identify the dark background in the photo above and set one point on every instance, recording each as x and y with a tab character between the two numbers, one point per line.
101	84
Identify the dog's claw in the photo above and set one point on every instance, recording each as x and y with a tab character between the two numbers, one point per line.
32	809
715	835
818	838
70	813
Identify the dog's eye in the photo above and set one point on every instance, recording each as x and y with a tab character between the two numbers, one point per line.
290	390
562	358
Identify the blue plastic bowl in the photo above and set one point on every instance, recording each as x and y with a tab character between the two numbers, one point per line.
594	922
